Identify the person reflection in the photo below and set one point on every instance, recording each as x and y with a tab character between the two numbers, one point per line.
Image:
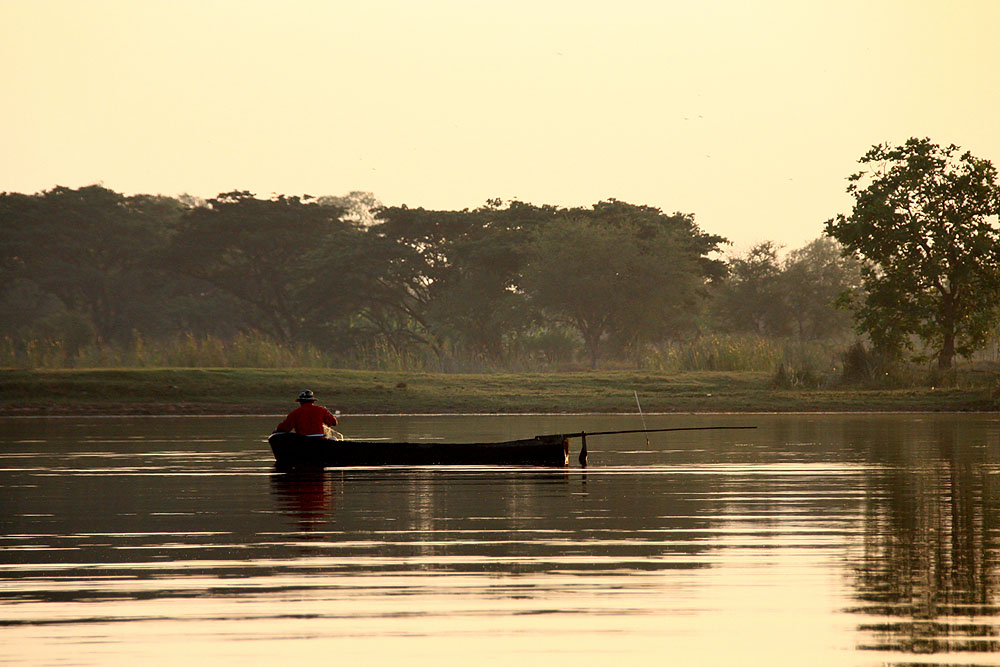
304	494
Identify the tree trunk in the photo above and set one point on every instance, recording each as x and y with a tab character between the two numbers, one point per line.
947	352
947	321
592	342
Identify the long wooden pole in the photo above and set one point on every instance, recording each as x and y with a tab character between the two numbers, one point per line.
583	434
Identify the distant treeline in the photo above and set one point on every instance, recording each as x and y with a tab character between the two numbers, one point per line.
92	277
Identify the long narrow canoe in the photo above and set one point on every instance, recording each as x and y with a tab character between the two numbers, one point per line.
292	450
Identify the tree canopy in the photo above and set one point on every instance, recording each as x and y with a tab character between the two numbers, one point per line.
621	274
263	253
89	249
794	297
925	223
508	284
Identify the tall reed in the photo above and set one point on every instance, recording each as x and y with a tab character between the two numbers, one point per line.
378	354
725	352
245	351
708	353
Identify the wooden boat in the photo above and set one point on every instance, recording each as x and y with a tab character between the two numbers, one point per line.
293	450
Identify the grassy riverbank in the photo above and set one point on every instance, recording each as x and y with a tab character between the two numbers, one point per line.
265	391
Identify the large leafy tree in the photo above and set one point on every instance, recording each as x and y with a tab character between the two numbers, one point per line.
797	297
417	243
752	298
814	277
620	274
925	223
468	294
91	250
269	254
479	301
388	292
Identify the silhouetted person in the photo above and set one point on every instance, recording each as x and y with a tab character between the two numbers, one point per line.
308	419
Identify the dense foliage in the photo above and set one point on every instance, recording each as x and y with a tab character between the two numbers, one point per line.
794	297
92	276
925	223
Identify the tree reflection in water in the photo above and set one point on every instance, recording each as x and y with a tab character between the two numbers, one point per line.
927	574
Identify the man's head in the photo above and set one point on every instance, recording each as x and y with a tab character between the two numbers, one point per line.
306	396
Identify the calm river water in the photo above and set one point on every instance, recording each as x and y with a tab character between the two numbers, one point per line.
812	540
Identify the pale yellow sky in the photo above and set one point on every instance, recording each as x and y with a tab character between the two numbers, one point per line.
748	114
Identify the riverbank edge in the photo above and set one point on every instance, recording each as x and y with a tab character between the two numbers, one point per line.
207	391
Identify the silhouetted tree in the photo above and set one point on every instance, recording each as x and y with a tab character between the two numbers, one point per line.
620	271
265	253
471	268
924	222
91	249
753	298
814	279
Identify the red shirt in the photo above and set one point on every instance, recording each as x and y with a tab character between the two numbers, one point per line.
308	419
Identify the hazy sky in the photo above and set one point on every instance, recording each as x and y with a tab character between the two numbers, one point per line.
748	114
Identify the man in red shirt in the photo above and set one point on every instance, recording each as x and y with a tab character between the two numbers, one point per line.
307	419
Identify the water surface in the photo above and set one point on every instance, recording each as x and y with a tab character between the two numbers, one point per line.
812	540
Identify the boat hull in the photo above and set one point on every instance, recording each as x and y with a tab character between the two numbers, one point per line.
293	450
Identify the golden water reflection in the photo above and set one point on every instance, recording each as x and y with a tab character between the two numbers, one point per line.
926	577
820	540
